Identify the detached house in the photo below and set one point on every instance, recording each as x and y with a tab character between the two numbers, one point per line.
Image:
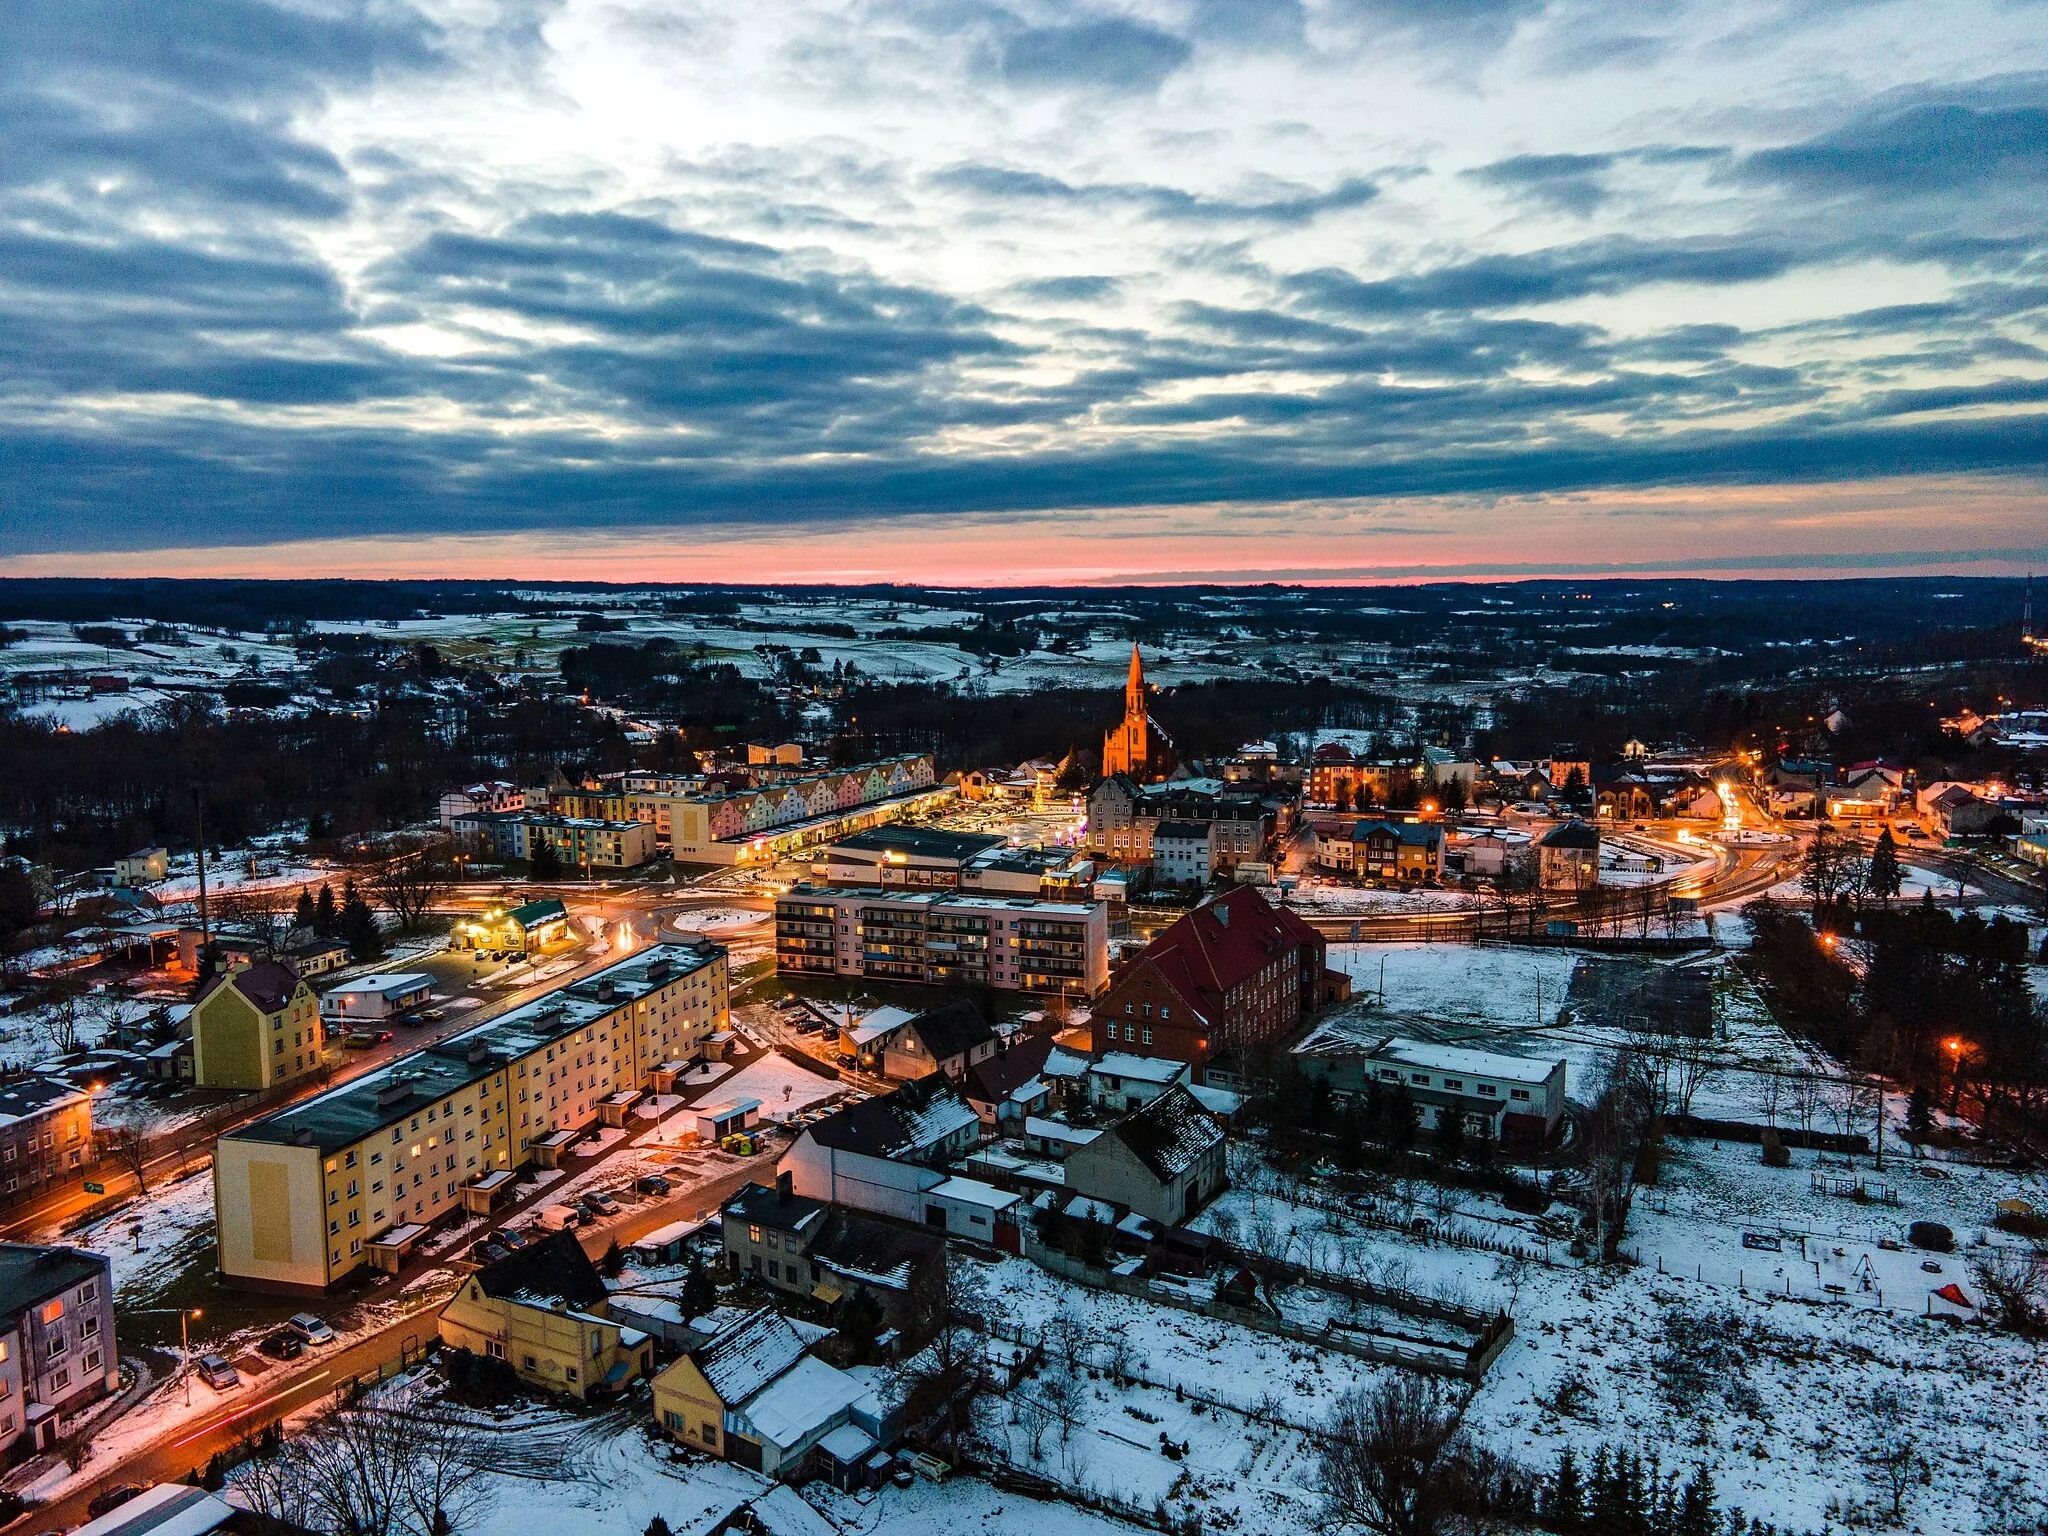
1164	1161
542	1311
949	1040
1569	857
255	1027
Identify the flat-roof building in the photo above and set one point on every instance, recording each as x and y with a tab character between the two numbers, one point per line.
1011	944
300	1195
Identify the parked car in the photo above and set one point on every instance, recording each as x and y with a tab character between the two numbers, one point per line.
218	1372
602	1203
358	1040
651	1184
112	1498
310	1328
283	1345
378	1036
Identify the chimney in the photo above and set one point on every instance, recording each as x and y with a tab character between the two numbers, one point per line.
604	990
785	1184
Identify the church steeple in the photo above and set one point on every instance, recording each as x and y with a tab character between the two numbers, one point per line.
1134	690
1128	748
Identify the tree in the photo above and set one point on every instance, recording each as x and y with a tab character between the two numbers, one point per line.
357	926
304	914
2015	1281
1894	1461
950	1379
1450	1136
132	1141
543	864
324	917
1564	1500
700	1295
1830	869
1390	1459
410	882
1882	878
381	1473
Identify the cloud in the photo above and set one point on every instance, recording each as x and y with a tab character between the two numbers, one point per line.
1572	183
1925	149
1286	205
1112	54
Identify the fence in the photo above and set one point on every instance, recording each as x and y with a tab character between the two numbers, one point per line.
1470	1363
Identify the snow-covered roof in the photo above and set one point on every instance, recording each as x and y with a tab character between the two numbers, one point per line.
973	1192
1083	1208
385	984
1143	1069
781	1511
847	1445
168	1509
749	1355
1218	1101
1059	1130
1170	1134
1457	1058
884	1020
1062	1062
801	1401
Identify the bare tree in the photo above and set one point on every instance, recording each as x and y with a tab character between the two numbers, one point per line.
1389	1464
132	1142
1894	1461
364	1472
63	1017
950	1379
1830	869
263	912
2015	1281
445	1488
412	880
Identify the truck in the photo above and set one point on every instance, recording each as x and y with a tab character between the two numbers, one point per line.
556	1217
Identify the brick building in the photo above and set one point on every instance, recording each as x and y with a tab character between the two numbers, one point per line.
1233	976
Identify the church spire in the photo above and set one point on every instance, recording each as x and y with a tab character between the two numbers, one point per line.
1134	690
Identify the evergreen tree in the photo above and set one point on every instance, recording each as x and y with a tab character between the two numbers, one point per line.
304	915
1404	1119
1450	1136
613	1262
324	914
1919	1112
357	926
544	864
699	1294
1694	1514
656	1527
1350	1151
1564	1501
1882	878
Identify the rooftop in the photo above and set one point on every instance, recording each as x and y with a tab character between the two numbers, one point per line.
31	1272
21	1097
1070	909
928	842
365	1105
268	984
750	1354
765	1205
1170	1134
554	1269
902	1124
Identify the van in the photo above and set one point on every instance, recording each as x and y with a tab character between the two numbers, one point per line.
556	1217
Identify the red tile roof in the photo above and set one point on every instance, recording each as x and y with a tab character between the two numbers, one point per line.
1225	942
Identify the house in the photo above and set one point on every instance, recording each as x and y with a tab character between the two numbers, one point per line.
1005	1088
145	866
1235	974
495	795
1183	853
949	1039
57	1349
808	1250
756	1395
883	1155
1163	1161
1332	847
1956	812
45	1132
256	1026
1124	817
1568	857
541	1310
1404	851
1485	854
369	998
1118	1080
1502	1096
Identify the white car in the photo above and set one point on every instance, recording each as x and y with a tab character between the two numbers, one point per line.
311	1329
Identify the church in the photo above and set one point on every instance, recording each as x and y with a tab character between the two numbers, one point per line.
1138	747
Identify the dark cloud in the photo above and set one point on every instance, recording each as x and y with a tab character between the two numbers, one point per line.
1292	206
1608	266
1924	149
1574	183
1114	53
1070	290
1249	23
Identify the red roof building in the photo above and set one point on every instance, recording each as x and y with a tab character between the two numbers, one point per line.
1233	976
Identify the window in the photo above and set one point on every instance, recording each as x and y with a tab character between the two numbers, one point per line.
710	1434
570	1372
52	1311
1421	1078
89	1325
754	1234
89	1293
1518	1093
532	1364
1454	1082
1488	1091
494	1349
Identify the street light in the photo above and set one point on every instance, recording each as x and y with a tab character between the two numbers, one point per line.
185	1316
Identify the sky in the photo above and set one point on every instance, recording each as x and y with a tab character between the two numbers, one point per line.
953	290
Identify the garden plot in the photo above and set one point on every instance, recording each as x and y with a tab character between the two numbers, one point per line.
1248	1465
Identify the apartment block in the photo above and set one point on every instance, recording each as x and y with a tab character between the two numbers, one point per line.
57	1351
941	938
580	842
309	1195
45	1133
256	1026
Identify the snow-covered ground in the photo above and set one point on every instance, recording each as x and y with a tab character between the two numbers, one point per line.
1494	985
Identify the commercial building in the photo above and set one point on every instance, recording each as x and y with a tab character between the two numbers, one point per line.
1502	1096
1232	976
580	842
57	1350
370	998
928	858
302	1197
525	929
257	1026
1013	944
45	1132
775	811
542	1311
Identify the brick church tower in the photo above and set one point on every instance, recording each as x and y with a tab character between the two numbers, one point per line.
1128	749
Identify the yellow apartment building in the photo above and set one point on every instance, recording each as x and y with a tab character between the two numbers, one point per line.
256	1027
301	1197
